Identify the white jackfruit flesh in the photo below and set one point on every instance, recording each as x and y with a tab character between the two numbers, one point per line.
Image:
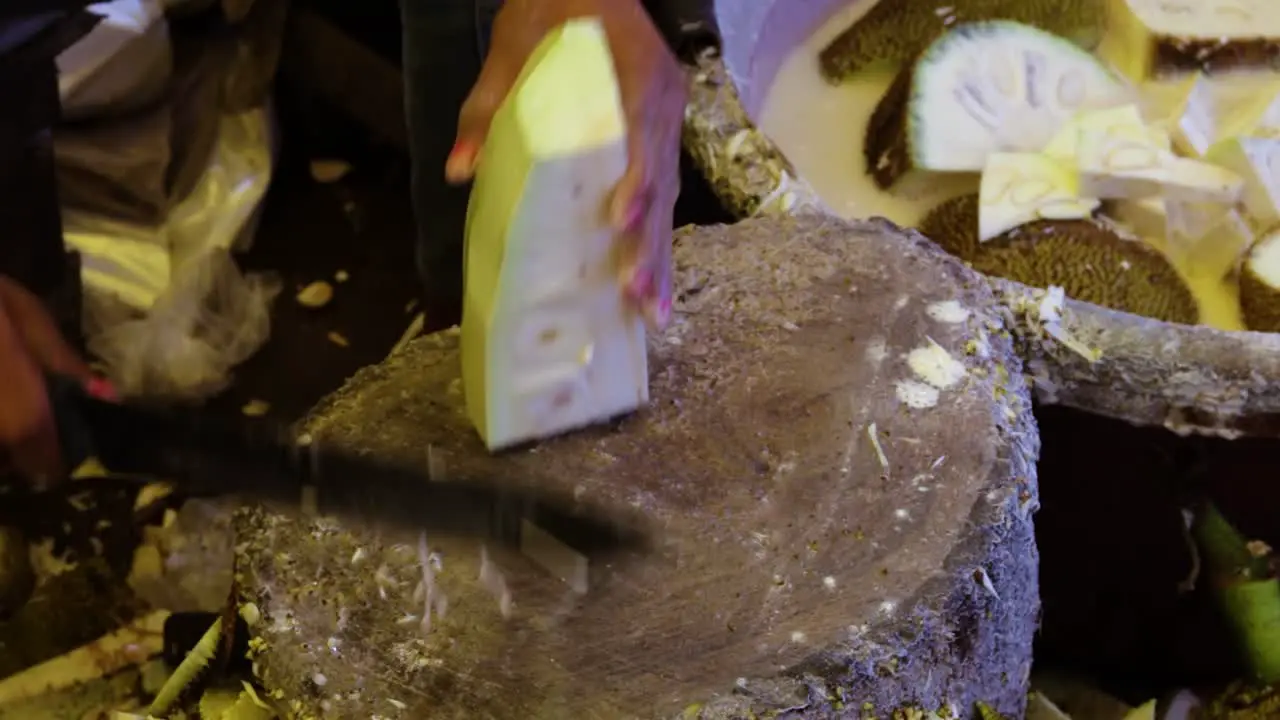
548	343
999	86
1127	163
1204	239
1219	108
1063	145
1018	188
1257	160
1264	261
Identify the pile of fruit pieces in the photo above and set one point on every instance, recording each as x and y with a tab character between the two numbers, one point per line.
1089	181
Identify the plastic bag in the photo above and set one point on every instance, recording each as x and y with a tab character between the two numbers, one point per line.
122	64
254	55
133	263
167	312
135	167
117	167
222	209
125	262
209	319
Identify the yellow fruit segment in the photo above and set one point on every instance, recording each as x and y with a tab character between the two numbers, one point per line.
548	345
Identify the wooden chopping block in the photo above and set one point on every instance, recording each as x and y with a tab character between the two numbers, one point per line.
840	456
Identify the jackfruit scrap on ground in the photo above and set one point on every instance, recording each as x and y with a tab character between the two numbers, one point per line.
122	676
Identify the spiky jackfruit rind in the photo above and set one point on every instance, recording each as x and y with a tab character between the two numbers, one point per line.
885	148
953	225
1089	260
896	31
1259	301
1175	57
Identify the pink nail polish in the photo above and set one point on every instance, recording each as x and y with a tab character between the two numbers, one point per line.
641	283
102	389
635	217
663	313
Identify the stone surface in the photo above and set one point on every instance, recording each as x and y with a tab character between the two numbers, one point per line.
802	565
1187	378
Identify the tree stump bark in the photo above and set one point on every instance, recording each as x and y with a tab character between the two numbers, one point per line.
839	536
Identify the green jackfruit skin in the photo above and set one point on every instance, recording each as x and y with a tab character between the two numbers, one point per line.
1259	302
1089	261
896	31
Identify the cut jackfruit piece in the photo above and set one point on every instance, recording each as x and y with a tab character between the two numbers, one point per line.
548	345
1260	285
1126	163
1018	188
1159	218
1267	124
1145	217
1257	160
1203	240
982	88
1155	38
1089	260
893	33
1063	145
1217	109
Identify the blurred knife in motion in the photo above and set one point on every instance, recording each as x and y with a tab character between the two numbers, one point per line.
204	454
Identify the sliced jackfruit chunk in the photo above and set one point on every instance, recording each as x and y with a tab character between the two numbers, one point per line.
548	344
1257	161
1155	38
1217	109
1064	145
1128	163
1203	240
892	33
982	88
1018	188
1089	260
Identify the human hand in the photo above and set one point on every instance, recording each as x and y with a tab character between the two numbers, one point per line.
31	347
654	95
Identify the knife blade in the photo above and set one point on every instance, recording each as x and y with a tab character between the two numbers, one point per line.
205	454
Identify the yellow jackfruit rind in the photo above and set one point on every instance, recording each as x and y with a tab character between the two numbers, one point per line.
1259	302
895	31
1089	261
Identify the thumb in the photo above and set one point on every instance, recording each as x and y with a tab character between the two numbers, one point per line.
491	88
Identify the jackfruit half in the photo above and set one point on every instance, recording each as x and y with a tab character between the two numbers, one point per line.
1090	261
896	31
982	88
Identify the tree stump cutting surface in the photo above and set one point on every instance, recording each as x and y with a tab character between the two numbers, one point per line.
805	569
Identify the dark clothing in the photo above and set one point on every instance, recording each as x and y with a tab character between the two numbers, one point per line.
445	42
688	25
32	252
